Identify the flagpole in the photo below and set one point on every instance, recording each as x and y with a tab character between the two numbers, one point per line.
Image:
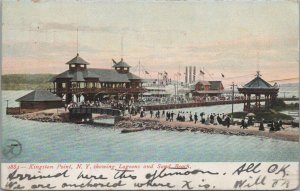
179	72
77	40
158	85
139	68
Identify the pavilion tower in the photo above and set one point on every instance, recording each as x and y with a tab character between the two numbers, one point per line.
77	63
121	67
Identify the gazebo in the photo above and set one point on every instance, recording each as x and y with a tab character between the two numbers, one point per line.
258	91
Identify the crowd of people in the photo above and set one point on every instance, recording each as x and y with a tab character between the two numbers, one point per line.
161	100
184	116
211	119
276	125
73	104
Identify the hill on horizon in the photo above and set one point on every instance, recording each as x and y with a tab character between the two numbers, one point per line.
25	81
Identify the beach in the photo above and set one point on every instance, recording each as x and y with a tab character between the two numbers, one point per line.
288	134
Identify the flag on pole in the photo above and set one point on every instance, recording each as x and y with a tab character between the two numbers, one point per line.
222	75
179	74
165	72
201	72
146	72
159	73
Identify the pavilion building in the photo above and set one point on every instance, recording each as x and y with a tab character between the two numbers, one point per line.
261	91
40	99
96	84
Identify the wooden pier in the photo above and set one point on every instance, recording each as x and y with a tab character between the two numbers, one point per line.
200	104
85	113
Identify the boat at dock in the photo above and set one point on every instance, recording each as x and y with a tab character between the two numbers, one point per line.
131	130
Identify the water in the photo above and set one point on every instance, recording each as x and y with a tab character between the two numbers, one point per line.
65	142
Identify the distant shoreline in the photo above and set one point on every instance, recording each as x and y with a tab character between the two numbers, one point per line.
25	81
37	81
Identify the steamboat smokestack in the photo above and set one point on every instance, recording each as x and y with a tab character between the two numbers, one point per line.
186	74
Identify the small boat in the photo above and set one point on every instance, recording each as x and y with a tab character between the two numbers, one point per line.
84	122
130	130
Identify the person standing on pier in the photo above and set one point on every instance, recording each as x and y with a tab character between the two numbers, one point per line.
195	117
280	124
219	119
142	114
211	117
191	117
271	127
163	113
276	126
215	120
178	116
261	125
207	120
151	113
227	121
172	116
244	124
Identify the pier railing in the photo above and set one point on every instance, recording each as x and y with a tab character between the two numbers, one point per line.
188	105
163	106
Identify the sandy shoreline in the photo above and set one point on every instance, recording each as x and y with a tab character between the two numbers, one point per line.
60	115
289	134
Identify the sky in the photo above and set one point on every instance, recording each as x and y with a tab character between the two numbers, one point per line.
234	38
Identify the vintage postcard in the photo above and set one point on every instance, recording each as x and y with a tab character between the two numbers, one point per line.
149	95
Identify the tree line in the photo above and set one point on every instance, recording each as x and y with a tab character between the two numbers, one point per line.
25	81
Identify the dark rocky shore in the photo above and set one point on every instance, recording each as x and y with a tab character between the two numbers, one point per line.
44	117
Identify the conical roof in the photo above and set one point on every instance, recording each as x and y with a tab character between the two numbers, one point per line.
77	60
39	95
258	82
